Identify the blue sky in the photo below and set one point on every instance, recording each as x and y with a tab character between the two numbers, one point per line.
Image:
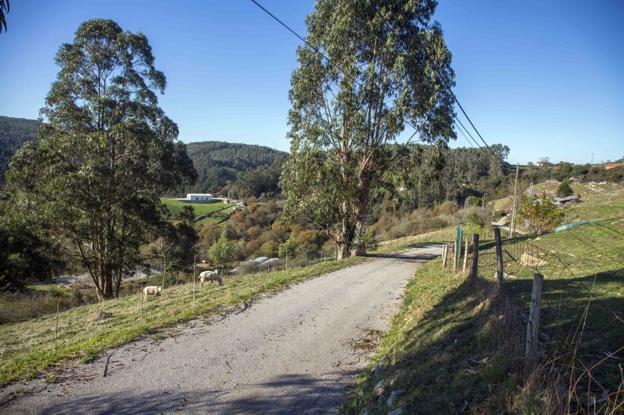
543	77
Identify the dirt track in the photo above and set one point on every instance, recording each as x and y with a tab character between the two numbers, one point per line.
295	352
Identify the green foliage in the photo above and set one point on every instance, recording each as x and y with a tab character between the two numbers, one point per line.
388	66
564	189
14	132
541	213
25	256
434	174
287	249
221	252
261	180
106	152
473	201
187	214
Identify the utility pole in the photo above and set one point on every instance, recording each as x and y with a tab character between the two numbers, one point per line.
513	207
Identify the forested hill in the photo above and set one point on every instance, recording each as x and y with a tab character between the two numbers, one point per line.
241	169
13	133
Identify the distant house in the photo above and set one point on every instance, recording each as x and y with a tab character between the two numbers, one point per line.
198	197
568	200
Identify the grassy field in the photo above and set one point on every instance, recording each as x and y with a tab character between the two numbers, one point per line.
31	348
216	211
458	347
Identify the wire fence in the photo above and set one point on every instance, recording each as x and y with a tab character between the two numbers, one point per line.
582	336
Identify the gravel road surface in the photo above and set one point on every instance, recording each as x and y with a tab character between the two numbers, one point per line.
295	352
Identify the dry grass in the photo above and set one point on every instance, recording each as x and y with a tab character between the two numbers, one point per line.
28	349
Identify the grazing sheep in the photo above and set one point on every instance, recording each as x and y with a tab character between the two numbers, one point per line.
210	276
151	290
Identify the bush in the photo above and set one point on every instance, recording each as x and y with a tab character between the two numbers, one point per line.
446	208
476	216
472	201
541	213
564	189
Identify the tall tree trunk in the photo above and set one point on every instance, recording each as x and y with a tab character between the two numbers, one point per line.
345	238
361	211
359	248
342	251
106	281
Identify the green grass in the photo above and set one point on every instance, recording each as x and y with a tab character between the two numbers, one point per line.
458	347
216	211
599	201
30	348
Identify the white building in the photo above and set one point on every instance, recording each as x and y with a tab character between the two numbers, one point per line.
199	197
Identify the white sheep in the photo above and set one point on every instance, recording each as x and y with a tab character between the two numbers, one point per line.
207	276
151	290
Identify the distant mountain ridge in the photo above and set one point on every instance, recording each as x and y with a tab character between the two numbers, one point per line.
220	165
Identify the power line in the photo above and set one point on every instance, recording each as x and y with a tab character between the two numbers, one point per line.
461	125
320	52
470	143
469	120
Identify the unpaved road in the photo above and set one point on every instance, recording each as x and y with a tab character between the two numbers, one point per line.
294	352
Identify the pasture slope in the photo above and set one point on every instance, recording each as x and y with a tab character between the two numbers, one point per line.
204	212
459	347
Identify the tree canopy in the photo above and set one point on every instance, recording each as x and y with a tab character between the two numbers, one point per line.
368	71
106	152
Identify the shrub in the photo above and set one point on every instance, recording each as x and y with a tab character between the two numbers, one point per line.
446	208
472	201
476	216
564	189
541	213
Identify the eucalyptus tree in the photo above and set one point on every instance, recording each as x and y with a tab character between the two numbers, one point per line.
105	154
367	71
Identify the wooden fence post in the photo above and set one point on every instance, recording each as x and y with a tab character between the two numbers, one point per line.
465	256
474	268
499	257
444	256
534	318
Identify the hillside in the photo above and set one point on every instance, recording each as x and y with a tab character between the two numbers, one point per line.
458	347
221	165
244	169
13	133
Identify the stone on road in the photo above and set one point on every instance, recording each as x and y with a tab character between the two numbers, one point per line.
293	352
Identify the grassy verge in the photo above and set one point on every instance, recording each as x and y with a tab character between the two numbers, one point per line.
30	348
458	347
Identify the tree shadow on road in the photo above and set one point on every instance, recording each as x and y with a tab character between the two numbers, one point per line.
287	394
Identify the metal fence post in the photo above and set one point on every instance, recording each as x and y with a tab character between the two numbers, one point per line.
474	268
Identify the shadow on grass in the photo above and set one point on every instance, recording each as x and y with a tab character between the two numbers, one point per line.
466	352
289	394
